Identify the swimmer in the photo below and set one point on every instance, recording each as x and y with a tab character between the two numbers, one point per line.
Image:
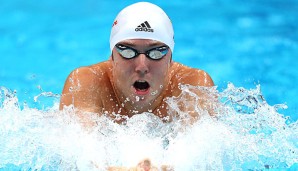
140	72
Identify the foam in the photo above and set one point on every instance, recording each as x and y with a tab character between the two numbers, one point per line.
246	134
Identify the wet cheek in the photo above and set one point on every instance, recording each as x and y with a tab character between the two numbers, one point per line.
160	77
162	72
122	68
123	76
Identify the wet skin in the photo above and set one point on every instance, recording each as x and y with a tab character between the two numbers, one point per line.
110	87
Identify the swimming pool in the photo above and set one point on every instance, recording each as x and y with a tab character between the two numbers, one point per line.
246	43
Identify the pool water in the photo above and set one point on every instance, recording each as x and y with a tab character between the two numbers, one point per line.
248	47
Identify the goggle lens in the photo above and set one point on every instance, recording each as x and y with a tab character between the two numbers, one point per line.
129	53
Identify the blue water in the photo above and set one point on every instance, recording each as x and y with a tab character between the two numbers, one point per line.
246	43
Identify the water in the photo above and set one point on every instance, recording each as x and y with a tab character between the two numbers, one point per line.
246	134
248	47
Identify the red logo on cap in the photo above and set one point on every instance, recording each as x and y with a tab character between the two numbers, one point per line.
115	23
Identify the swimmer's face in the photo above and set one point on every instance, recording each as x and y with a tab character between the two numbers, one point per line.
140	80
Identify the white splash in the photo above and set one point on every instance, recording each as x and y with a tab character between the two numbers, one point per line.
247	133
153	93
137	98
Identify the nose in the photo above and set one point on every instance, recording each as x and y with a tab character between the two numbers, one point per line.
142	64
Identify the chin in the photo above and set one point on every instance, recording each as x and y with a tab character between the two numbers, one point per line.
142	101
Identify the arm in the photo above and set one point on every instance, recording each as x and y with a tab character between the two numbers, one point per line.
196	96
81	90
195	77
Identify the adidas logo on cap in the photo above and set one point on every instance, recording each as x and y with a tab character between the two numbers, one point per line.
145	26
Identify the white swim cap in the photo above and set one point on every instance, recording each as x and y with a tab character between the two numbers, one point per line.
142	20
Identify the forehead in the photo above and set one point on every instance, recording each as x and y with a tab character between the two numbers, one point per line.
141	42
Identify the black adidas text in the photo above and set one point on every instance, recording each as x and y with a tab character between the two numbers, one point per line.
144	29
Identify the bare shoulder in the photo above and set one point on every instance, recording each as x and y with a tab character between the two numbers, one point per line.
89	76
83	86
187	75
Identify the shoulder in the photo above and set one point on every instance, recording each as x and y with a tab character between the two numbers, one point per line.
85	86
90	76
187	75
95	69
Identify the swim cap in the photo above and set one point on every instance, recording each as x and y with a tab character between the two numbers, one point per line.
142	20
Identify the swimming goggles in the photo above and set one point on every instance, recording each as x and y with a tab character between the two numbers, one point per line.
129	53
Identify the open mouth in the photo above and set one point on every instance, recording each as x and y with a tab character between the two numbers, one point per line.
141	86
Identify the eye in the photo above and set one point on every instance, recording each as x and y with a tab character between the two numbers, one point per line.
158	53
128	53
155	54
125	52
